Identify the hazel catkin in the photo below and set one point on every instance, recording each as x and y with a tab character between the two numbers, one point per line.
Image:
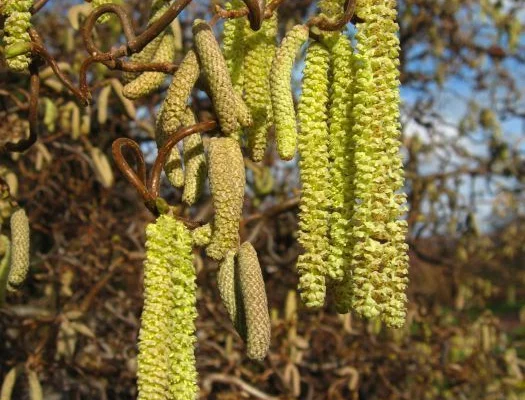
215	70
147	82
194	163
255	303
5	259
281	91
227	180
260	51
16	37
314	207
166	359
19	250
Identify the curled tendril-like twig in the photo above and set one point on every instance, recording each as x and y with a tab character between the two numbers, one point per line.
149	190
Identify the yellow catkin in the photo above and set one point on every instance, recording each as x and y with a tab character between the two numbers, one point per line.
194	163
255	303
314	207
16	37
213	64
102	105
260	51
201	236
166	359
281	91
342	152
148	82
227	180
379	252
145	55
19	250
233	45
172	113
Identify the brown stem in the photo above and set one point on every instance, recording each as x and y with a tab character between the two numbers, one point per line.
180	134
325	24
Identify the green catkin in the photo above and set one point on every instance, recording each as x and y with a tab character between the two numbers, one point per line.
17	22
233	45
314	206
145	55
255	302
341	155
172	112
19	250
5	254
228	290
227	180
166	359
379	256
201	236
281	91
194	163
260	51
147	82
213	64
342	152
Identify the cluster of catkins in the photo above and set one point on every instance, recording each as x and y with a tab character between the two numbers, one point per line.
349	161
350	170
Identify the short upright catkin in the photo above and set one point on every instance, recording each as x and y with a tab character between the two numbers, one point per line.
166	359
17	40
227	180
281	91
19	250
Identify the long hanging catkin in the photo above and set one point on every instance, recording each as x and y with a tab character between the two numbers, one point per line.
379	257
166	359
227	180
226	101
233	45
315	177
260	51
281	91
17	40
172	113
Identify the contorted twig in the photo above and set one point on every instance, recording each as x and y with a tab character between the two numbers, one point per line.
149	191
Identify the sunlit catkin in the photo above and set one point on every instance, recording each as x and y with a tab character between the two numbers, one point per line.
148	82
194	163
145	55
227	180
255	303
229	290
19	250
260	51
281	91
217	76
314	206
166	360
233	45
379	256
201	235
16	37
172	113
